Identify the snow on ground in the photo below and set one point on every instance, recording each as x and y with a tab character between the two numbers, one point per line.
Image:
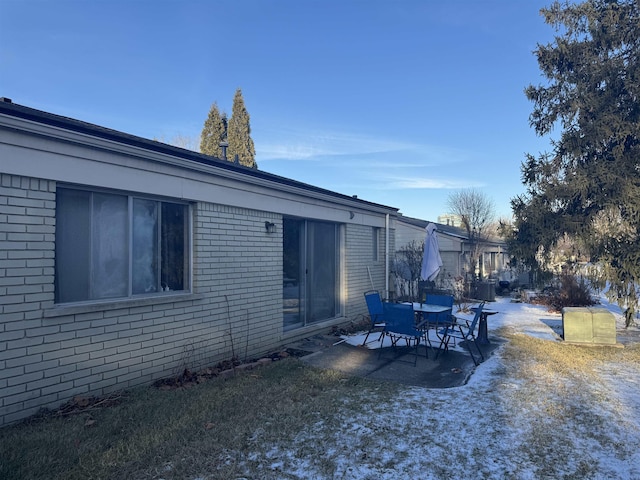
518	317
499	425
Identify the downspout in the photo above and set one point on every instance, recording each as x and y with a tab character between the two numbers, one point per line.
386	255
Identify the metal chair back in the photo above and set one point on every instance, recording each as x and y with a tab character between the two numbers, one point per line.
444	300
400	324
376	314
473	324
374	305
400	319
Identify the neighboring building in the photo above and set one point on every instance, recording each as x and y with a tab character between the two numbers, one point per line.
124	260
455	246
450	220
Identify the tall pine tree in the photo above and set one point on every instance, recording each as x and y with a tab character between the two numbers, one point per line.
239	134
214	132
588	185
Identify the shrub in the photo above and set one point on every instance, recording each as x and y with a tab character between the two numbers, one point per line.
570	293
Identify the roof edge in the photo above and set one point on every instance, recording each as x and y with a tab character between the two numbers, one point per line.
7	107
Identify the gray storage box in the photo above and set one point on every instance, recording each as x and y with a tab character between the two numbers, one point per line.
486	291
591	325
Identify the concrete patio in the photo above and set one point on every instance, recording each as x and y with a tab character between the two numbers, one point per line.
450	369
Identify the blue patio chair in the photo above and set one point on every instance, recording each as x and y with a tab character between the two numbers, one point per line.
445	301
439	320
464	330
376	313
400	325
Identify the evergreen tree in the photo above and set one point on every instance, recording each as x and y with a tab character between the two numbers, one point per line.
213	132
588	185
239	134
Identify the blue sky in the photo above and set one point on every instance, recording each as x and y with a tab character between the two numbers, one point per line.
398	102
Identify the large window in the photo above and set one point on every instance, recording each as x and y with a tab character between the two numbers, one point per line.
111	245
311	262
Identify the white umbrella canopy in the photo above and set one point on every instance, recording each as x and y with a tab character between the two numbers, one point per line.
431	260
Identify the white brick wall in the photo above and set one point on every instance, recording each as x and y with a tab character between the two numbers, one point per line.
27	229
46	357
50	353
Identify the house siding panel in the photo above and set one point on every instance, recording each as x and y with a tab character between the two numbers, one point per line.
27	210
237	269
49	353
359	263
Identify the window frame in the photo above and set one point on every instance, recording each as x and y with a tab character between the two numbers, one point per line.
187	251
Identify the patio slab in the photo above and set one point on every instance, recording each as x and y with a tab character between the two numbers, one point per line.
450	369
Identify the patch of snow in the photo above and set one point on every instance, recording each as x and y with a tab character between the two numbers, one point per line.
496	426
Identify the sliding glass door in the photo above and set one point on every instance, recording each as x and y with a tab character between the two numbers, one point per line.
311	262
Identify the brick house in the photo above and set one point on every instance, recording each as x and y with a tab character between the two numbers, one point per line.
124	260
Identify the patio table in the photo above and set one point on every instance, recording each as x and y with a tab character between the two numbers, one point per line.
429	308
424	312
483	335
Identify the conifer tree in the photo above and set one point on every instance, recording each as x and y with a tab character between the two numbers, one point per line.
239	134
213	132
587	186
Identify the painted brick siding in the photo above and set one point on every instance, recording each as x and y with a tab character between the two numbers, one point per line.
27	230
46	359
359	248
238	267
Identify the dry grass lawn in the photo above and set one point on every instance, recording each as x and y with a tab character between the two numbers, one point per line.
288	420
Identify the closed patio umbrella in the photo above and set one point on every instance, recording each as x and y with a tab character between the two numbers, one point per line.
431	261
